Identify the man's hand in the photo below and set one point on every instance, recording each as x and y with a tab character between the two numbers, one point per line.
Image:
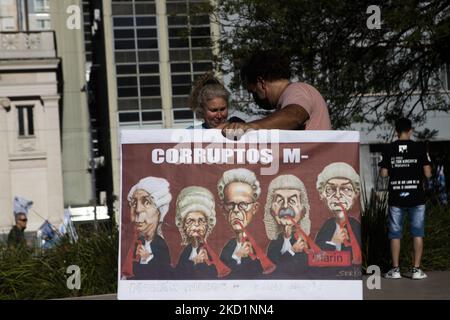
340	236
245	250
222	125
144	254
287	230
235	130
201	257
299	245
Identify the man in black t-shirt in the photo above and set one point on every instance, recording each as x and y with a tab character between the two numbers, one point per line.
406	163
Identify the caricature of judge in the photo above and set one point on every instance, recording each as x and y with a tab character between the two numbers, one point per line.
287	208
195	219
239	191
339	187
149	202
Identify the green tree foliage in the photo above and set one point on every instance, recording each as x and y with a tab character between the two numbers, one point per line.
366	75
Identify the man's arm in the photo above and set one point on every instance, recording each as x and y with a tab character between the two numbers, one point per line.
290	117
13	239
428	183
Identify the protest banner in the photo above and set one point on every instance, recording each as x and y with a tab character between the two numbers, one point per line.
274	215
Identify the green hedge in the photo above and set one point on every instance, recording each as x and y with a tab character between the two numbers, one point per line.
42	275
376	250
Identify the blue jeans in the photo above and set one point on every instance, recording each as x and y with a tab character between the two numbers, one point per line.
416	220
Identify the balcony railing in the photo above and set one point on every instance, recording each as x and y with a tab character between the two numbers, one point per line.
27	45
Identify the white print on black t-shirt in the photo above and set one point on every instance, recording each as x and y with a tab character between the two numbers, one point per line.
404	184
399	162
404	161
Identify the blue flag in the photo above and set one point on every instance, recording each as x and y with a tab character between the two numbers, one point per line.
22	205
68	226
49	235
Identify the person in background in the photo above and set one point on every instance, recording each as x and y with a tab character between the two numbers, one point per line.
209	101
16	237
436	184
443	199
405	162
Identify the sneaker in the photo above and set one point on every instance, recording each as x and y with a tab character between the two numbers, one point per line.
417	274
394	273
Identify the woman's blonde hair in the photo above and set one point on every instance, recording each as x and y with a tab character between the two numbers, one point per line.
206	88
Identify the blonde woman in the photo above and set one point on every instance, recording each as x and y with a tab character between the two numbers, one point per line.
209	101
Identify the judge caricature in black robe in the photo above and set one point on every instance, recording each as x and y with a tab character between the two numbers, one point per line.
195	219
239	191
149	202
339	187
287	209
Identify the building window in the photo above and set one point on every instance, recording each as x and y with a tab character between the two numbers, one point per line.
43	24
38	15
189	49
8	24
25	121
8	15
136	52
137	61
41	5
182	114
25	15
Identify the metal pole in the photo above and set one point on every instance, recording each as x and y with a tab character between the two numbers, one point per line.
94	193
92	160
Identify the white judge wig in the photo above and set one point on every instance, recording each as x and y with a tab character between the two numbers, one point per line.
284	182
195	199
239	175
158	189
338	170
